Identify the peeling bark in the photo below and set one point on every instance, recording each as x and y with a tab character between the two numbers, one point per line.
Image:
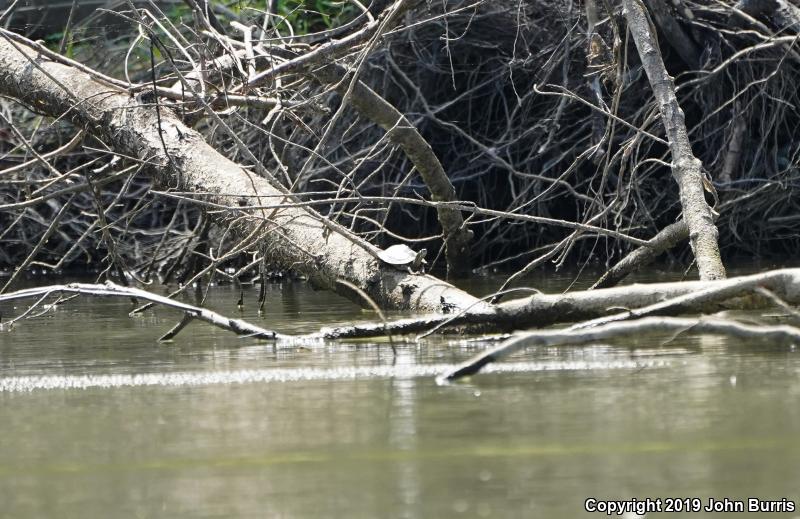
686	168
178	157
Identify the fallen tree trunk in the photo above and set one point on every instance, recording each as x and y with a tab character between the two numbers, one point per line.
177	157
701	296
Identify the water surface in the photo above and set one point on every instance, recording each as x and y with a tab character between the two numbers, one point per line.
98	420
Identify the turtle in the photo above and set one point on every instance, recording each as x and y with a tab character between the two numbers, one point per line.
403	256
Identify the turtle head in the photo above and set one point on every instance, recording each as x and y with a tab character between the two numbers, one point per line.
419	259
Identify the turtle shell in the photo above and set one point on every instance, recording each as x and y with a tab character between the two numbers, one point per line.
398	255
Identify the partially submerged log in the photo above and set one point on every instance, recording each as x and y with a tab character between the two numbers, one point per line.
605	305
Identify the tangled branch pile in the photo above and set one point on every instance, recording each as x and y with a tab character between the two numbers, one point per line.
537	108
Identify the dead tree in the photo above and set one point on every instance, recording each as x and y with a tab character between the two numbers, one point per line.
686	168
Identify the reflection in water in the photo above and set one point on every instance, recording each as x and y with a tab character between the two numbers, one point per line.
101	421
403	436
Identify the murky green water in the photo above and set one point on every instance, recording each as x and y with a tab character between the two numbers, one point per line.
99	421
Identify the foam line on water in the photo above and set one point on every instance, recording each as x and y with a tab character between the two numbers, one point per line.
19	384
